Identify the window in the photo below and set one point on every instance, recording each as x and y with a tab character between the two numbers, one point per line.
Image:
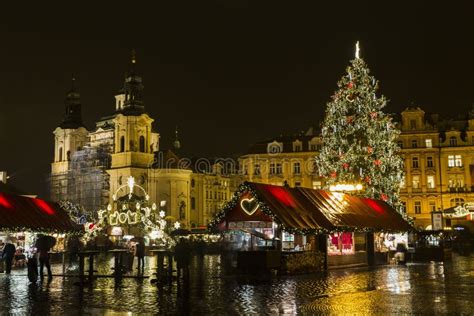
417	207
429	162
430	182
414	162
404	206
432	206
297	184
414	143
416	182
272	168
296	168
456	181
457	202
317	185
207	194
278	168
122	144
68	155
402	183
472	140
400	144
428	143
454	161
256	169
193	183
142	144
193	203
413	124
60	154
313	147
297	147
452	141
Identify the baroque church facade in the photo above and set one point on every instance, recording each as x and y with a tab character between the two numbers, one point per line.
90	165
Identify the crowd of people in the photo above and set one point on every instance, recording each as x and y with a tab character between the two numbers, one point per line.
11	256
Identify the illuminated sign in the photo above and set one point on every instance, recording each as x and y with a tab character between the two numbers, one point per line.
249	206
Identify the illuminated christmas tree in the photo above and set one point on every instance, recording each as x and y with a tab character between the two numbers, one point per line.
359	140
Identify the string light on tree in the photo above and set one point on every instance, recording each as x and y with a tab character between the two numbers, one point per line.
367	139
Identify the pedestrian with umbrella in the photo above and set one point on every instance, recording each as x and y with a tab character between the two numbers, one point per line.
43	245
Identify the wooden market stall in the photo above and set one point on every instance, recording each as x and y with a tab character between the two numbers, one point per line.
338	226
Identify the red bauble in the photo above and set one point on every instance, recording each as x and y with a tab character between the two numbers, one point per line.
384	197
368	180
377	162
370	150
373	115
350	85
91	225
345	165
333	174
350	119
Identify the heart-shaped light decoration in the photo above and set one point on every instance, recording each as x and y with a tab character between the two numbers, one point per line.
249	206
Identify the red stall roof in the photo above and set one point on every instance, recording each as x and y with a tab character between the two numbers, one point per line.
25	213
306	209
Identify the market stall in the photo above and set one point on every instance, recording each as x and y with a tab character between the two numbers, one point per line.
22	217
292	220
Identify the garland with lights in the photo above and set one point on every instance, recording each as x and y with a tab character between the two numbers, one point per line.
247	187
131	211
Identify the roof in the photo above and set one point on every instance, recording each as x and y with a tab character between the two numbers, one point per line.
21	213
287	141
306	210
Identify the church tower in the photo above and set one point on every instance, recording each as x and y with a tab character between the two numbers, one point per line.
69	137
134	141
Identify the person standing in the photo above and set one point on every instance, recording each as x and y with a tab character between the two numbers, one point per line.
43	245
140	254
8	254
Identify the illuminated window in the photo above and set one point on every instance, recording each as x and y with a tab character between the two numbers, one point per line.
297	147
296	168
417	207
414	143
416	182
402	183
317	185
457	202
454	161
429	162
430	182
414	162
341	244
452	141
313	147
428	143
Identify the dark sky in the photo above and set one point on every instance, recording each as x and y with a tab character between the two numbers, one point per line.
228	72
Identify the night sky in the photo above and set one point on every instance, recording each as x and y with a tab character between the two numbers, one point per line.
229	73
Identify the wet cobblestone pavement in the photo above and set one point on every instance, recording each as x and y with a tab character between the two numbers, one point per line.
429	288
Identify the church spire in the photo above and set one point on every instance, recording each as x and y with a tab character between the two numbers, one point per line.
73	116
133	90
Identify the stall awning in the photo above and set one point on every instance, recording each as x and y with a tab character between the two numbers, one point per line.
19	213
307	210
